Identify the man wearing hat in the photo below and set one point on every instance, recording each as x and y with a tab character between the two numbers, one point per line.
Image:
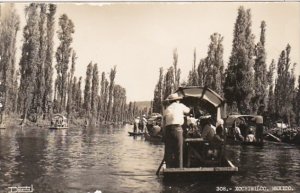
174	119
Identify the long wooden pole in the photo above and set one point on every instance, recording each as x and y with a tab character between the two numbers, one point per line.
162	162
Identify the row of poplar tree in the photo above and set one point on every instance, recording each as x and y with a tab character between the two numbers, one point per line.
30	90
247	84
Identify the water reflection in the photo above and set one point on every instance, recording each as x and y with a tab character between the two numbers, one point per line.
107	159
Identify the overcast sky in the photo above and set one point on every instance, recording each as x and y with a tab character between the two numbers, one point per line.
139	38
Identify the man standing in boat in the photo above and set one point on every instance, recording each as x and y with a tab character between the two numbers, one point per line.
173	121
259	120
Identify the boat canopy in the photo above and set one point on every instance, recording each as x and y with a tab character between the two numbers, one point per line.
202	93
59	116
232	118
203	98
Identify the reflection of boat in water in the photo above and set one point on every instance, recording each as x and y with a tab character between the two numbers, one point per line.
202	159
135	133
59	121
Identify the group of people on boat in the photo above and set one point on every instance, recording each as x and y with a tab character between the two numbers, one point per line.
245	132
288	135
140	124
179	124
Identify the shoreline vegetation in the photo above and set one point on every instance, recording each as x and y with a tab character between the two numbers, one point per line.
13	121
31	90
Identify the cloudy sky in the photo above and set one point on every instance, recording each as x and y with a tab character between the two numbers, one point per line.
139	38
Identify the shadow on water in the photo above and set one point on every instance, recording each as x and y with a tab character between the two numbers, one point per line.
81	160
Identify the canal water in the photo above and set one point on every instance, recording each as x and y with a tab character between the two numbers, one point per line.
108	160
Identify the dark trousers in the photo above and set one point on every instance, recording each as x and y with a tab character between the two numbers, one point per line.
173	146
259	132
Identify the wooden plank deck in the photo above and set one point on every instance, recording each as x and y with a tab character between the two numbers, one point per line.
200	169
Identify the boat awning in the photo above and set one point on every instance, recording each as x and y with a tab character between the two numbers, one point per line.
59	116
231	118
281	125
201	93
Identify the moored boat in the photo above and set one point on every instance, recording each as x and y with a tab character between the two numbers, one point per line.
59	121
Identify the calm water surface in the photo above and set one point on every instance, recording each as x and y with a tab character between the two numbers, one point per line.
85	160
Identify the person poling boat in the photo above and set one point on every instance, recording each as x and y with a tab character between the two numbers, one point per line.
193	149
136	124
174	119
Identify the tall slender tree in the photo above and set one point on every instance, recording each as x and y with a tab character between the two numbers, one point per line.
157	101
9	27
47	98
214	63
238	86
87	89
297	102
260	71
271	97
29	59
112	76
193	75
40	79
70	101
168	82
284	94
95	90
63	54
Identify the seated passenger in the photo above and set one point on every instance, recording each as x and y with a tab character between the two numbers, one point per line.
218	138
250	137
208	132
238	135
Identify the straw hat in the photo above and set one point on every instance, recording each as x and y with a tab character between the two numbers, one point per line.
220	122
174	97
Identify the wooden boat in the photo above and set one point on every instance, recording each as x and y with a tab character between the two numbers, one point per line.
135	133
246	123
201	159
225	171
59	121
198	167
252	143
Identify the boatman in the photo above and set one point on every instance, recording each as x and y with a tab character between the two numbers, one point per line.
136	124
174	119
259	120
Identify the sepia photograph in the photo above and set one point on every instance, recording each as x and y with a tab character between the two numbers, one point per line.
149	97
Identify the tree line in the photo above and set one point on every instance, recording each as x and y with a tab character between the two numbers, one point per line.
247	84
30	89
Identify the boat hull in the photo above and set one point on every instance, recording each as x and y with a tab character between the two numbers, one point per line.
135	134
148	137
200	173
58	127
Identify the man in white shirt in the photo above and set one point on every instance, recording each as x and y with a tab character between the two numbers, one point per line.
173	120
136	124
250	137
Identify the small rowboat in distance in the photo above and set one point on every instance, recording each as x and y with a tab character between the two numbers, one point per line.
135	133
59	121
